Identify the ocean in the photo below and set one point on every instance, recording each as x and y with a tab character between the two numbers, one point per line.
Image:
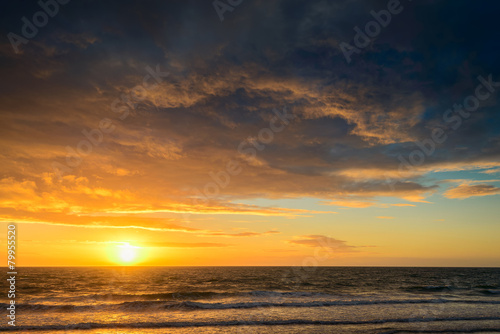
255	300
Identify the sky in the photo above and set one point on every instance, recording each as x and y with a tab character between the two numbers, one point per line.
248	132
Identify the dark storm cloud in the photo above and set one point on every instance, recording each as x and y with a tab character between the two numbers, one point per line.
352	121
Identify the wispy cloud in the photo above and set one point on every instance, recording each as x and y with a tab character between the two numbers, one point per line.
241	234
168	244
323	241
464	191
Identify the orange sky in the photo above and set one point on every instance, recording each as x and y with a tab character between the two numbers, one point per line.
248	141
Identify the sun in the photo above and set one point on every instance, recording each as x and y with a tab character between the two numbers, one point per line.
128	253
125	254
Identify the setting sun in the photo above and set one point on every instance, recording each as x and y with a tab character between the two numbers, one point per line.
125	254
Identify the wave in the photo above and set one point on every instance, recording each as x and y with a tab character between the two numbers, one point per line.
191	295
184	295
481	289
431	288
490	292
197	295
286	294
92	325
223	306
191	305
487	286
150	296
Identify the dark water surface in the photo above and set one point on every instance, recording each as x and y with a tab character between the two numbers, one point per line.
256	300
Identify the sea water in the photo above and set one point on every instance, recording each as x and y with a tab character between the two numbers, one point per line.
255	300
